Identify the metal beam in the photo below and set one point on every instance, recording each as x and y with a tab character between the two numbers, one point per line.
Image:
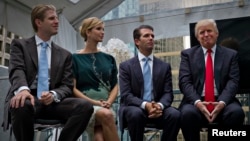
89	11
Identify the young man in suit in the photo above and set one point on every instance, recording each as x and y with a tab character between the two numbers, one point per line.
23	103
136	110
196	109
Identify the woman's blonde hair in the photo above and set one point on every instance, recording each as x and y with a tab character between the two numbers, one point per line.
88	24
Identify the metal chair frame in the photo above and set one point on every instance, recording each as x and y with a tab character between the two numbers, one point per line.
148	128
44	125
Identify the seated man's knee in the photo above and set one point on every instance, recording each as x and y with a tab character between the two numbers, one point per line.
175	113
172	114
136	114
27	108
189	113
81	105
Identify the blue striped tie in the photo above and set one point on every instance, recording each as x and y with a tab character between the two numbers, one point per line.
147	80
43	84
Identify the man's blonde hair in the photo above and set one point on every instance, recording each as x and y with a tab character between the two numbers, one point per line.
38	12
205	22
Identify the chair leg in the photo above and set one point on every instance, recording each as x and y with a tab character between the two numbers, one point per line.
38	135
49	134
155	133
122	136
10	137
56	133
128	137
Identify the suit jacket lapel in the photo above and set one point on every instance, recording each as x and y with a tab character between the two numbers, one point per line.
55	60
218	59
155	71
137	70
33	50
201	66
138	74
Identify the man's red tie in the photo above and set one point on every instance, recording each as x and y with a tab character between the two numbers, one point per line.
209	81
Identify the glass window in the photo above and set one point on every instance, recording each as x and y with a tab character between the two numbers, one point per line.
16	36
1	30
7	48
9	34
6	62
1	45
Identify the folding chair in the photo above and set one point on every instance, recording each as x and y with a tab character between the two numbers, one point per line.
45	125
149	128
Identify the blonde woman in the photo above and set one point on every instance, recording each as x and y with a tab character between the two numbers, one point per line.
96	81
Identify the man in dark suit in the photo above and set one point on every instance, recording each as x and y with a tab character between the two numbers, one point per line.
22	105
135	111
226	109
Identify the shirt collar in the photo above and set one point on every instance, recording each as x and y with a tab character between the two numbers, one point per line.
205	50
39	41
141	56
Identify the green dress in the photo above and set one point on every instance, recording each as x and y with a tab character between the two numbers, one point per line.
96	76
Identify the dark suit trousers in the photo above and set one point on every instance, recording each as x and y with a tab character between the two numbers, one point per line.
76	112
193	120
136	119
